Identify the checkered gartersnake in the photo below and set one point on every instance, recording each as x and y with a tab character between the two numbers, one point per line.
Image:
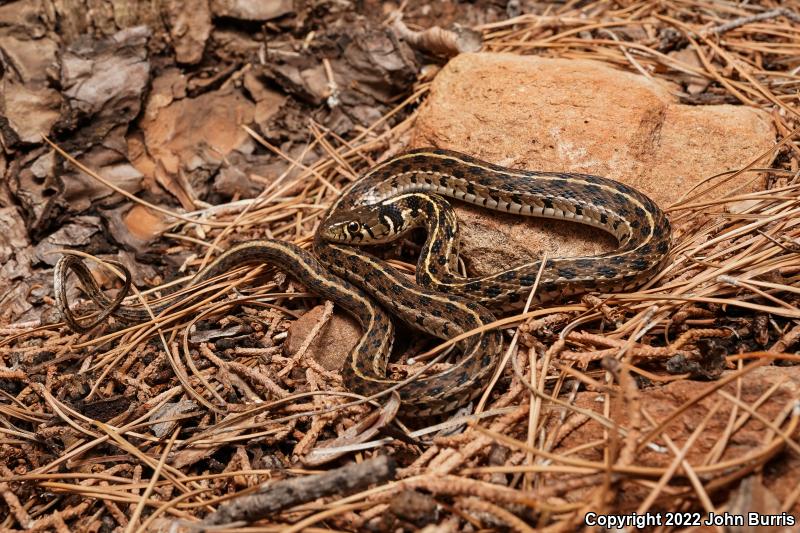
402	193
382	206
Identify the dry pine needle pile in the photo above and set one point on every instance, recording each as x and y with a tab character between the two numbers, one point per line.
682	396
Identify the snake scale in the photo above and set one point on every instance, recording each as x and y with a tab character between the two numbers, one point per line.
403	193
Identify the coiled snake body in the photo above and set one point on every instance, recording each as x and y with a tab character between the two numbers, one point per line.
397	195
382	207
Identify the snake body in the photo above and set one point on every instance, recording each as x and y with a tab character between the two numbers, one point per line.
365	369
383	206
395	196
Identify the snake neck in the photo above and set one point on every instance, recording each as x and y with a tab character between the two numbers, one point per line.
427	310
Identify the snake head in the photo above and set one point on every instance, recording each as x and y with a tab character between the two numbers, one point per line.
378	223
361	225
387	220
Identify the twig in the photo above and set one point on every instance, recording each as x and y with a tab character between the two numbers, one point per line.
741	21
284	494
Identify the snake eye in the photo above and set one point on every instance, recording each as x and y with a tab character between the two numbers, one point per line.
353	227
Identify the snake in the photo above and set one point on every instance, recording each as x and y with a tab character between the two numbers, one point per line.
365	369
407	191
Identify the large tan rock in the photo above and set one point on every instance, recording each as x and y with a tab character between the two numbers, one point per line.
579	116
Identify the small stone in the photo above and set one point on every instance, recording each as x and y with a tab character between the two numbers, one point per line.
252	9
333	343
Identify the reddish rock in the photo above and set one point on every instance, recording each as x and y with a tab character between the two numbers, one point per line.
661	401
578	116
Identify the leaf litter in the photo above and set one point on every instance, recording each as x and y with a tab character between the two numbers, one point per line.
679	396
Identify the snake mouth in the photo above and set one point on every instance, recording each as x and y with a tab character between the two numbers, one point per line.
333	228
336	231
